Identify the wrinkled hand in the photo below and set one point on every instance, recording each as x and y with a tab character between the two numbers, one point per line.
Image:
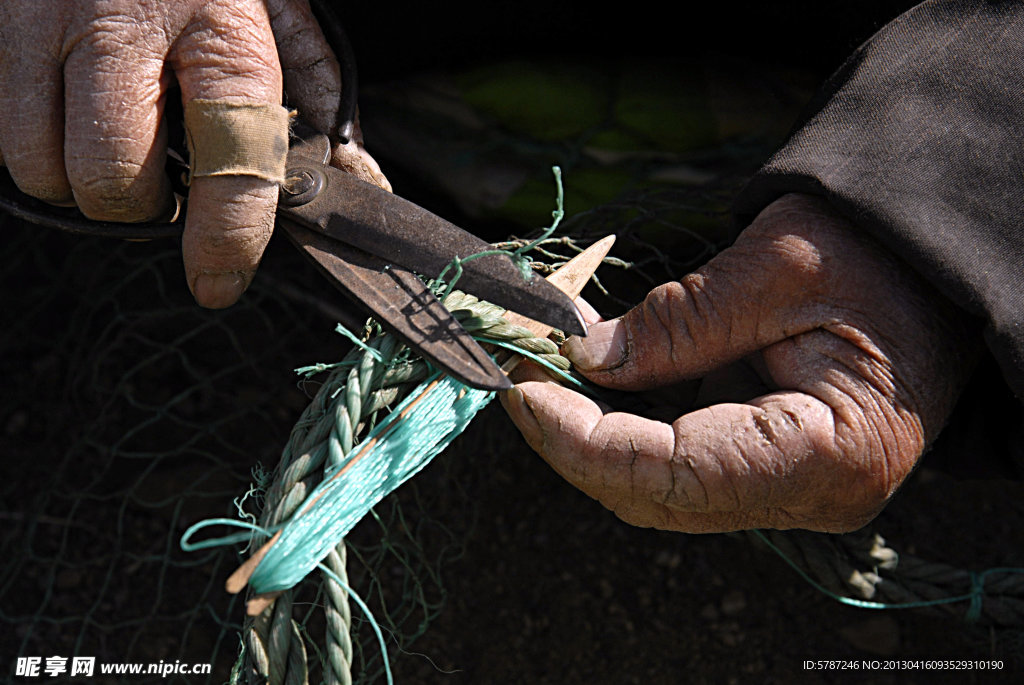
859	363
84	84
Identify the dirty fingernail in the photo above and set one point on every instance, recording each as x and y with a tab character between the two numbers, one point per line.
515	404
217	291
604	348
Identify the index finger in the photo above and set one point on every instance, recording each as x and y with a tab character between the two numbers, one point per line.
773	462
227	55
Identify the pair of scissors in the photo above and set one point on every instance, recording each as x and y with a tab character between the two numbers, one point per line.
371	244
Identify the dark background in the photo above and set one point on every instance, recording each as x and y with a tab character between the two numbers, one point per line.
391	41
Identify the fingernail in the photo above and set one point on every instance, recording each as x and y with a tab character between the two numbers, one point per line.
217	291
523	417
604	348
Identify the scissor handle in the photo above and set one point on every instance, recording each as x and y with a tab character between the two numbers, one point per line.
70	219
336	37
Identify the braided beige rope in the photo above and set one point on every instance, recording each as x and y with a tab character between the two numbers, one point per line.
862	565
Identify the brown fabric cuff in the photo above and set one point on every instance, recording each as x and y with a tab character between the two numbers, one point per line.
235	139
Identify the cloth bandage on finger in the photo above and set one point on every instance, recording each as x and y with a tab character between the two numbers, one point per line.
236	139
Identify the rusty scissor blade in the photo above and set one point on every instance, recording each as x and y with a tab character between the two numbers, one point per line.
358	213
401	302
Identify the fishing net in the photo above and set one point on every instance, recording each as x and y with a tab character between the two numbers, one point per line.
129	414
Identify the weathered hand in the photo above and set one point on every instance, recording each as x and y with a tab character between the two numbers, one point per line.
859	363
84	83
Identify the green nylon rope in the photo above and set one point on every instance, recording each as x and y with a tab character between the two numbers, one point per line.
378	373
368	381
418	429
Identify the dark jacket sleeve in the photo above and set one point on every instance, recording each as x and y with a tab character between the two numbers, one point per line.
919	139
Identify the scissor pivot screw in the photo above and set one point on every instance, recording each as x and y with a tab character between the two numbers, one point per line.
300	186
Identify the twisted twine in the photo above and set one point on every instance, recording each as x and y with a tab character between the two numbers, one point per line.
370	379
861	564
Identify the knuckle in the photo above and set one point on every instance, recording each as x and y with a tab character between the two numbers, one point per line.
799	260
694	301
238	247
226	236
234	40
862	487
50	187
111	191
110	40
678	316
860	506
686	489
233	243
35	163
629	513
785	259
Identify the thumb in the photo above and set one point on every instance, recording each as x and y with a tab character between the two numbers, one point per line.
763	289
